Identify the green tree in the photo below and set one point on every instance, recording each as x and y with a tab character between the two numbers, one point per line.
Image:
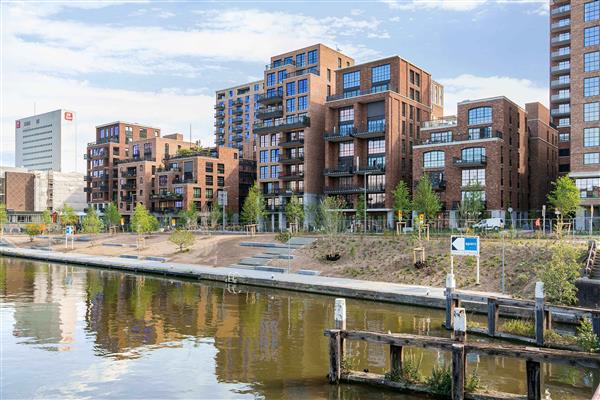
68	216
33	230
402	199
141	220
182	239
254	206
564	198
559	275
361	209
472	205
332	221
215	216
3	218
112	215
91	223
189	216
425	200
294	211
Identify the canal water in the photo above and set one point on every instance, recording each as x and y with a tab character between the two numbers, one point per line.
74	332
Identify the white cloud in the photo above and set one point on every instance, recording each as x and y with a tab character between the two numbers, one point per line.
168	109
450	5
471	87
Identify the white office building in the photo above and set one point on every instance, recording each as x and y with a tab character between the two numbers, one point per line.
47	142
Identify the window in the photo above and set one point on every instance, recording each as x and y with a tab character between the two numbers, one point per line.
264	156
480	115
352	80
220	181
440	137
209	180
220	168
302	103
197	193
591	137
591	61
564	137
591	158
264	173
591	36
473	154
290	88
564	152
380	73
274	171
473	177
588	186
302	86
300	60
433	159
290	105
347	114
275	155
209	194
591	112
312	57
591	86
271	79
179	190
591	11
346	149
281	75
376	146
209	167
480	133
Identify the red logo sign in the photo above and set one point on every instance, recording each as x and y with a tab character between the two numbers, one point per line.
69	116
18	124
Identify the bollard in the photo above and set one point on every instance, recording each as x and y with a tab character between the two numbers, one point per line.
493	311
534	387
458	371
540	324
340	314
450	286
460	324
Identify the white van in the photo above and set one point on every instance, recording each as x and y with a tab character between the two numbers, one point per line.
490	224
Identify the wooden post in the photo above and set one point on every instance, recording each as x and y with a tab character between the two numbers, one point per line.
534	386
450	286
596	323
492	316
458	371
540	315
339	312
395	358
460	324
335	360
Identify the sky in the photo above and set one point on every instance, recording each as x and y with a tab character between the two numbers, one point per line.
159	63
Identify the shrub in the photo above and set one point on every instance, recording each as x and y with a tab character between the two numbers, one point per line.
559	275
440	381
182	239
519	327
473	382
586	338
283	236
33	230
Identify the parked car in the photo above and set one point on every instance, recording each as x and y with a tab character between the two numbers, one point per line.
490	224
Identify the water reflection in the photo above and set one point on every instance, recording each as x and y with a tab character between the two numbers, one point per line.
76	332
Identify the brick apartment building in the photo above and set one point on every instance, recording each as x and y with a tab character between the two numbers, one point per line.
575	94
235	113
487	143
372	121
290	130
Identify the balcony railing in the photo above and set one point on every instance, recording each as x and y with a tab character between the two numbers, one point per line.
371	130
347	189
282	124
449	122
338	135
302	72
560	68
167	169
561	10
560	83
561	39
560	97
220	114
562	24
556	112
238	110
270	98
238	129
220	107
219	123
269	112
461	137
356	93
291	159
370	169
184	180
290	176
238	138
237	102
166	196
104	141
340	170
470	162
590	194
128	186
292	142
278	64
561	53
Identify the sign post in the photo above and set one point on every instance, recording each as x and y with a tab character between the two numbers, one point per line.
69	231
222	201
544	219
464	246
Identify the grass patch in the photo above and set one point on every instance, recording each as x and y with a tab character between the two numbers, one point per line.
519	327
440	381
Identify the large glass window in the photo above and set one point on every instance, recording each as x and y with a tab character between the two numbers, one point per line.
346	149
591	61
312	57
290	105
271	79
347	114
441	137
433	159
380	73
591	158
302	103
473	154
591	112
480	133
302	86
480	115
300	60
588	187
281	75
591	10
352	79
591	36
290	88
264	156
473	177
591	86
376	146
591	137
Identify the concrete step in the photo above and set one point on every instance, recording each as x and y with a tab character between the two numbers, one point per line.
252	261
308	272
270	269
260	244
238	266
265	256
301	240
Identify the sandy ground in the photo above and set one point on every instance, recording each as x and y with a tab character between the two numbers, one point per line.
214	250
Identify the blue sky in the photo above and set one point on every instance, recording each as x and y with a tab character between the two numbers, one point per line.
160	63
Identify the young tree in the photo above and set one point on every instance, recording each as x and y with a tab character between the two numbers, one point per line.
182	239
46	219
189	216
559	275
33	230
68	216
294	211
254	206
402	201
361	209
472	205
112	215
564	198
425	200
91	223
3	218
215	216
141	221
332	218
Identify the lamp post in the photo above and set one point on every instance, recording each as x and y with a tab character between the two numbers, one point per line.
224	203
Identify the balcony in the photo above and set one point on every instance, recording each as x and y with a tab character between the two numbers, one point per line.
302	72
87	190
166	196
220	142
237	120
356	93
129	174
220	114
560	112
104	141
560	83
375	169
177	181
292	143
559	69
560	98
166	210
461	137
340	170
561	54
87	178
349	189
220	107
269	112
372	130
590	194
127	199
291	159
167	169
238	138
338	136
237	111
448	122
219	123
280	63
561	25
270	98
560	11
560	40
470	162
237	102
238	129
291	176
128	186
438	184
282	125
